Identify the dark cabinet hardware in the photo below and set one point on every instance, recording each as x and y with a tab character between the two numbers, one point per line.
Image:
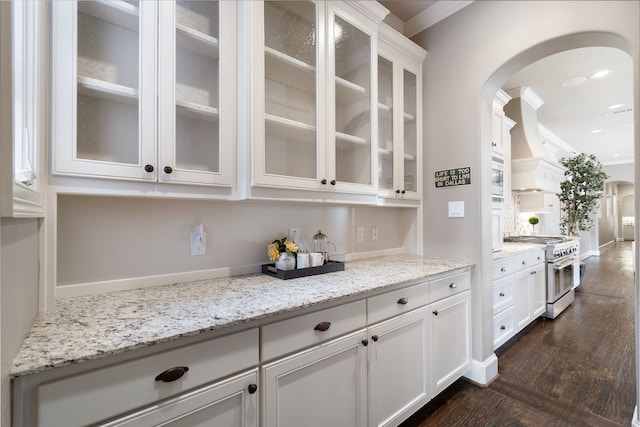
374	338
168	169
502	328
403	191
322	326
453	285
501	294
172	374
333	182
493	144
503	269
435	312
403	301
397	191
524	262
365	342
148	168
323	182
252	388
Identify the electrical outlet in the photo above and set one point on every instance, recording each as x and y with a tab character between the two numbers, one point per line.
198	242
294	234
374	234
360	234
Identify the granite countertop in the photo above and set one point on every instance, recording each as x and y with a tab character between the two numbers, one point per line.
91	327
513	248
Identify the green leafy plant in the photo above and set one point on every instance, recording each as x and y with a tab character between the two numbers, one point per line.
580	192
533	220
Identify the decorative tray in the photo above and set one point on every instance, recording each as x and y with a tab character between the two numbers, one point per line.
329	267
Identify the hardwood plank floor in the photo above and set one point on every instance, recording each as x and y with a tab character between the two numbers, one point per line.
576	370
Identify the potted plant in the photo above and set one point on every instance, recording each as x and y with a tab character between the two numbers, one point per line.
533	220
580	192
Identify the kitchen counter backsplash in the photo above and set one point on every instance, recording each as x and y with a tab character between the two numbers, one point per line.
90	327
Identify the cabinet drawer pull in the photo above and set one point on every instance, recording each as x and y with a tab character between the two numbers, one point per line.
453	285
398	191
524	262
435	312
403	301
148	168
501	294
323	182
365	342
172	374
403	191
252	388
503	269
374	338
333	182
322	326
168	169
502	328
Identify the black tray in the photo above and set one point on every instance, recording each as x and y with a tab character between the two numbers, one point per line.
329	267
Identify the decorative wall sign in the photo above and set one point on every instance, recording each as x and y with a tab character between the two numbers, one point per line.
453	177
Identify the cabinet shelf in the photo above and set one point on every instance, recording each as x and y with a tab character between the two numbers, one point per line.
107	90
385	152
409	117
196	41
289	70
289	129
384	111
116	12
351	139
348	92
196	111
410	157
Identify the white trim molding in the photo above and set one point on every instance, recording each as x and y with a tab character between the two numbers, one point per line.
432	15
483	373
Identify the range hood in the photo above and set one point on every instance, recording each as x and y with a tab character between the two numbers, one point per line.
533	169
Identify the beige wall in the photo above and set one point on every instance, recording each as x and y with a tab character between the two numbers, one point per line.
19	294
471	54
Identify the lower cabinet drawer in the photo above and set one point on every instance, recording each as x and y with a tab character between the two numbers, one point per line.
503	295
450	285
299	332
397	302
503	326
91	397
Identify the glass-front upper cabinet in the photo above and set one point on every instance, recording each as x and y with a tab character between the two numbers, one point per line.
312	115
142	102
399	117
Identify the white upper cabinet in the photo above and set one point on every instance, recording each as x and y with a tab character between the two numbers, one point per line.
23	124
144	90
399	116
313	86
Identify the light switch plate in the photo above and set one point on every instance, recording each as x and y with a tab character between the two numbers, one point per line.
456	209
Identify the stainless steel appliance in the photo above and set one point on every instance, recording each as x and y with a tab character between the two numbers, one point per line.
562	256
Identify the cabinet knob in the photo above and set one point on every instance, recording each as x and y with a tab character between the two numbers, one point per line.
493	144
503	269
374	338
322	326
148	168
323	182
502	328
534	272
333	182
398	191
168	169
524	262
365	342
172	374
403	191
435	312
252	388
501	294
453	285
403	301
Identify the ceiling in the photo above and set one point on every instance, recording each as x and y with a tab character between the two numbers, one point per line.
579	117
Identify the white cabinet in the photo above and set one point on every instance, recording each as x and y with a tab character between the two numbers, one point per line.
23	118
399	116
519	293
144	90
231	403
497	230
313	94
323	386
501	142
399	364
538	202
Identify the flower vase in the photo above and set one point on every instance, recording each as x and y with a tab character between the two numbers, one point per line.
285	262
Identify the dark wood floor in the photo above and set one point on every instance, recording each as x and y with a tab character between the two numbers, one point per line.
576	370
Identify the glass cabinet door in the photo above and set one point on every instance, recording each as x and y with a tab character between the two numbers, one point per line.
192	51
290	94
386	167
410	133
352	88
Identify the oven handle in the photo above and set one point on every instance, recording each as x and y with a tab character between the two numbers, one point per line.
562	265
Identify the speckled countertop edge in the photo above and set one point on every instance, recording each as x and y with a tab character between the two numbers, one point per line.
91	327
511	248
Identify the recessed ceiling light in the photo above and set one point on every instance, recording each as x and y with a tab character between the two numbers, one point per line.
596	131
574	81
614	106
616	155
600	74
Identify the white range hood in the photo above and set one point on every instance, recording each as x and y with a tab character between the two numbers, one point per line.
533	169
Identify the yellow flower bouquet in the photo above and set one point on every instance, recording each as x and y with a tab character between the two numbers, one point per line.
281	245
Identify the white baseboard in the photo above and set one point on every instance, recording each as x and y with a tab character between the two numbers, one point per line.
585	255
634	421
483	373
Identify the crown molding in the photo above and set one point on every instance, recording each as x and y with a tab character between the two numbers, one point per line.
432	15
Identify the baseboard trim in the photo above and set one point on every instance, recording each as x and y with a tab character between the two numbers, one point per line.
634	421
483	373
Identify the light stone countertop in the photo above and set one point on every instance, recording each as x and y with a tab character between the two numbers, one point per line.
513	248
91	327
